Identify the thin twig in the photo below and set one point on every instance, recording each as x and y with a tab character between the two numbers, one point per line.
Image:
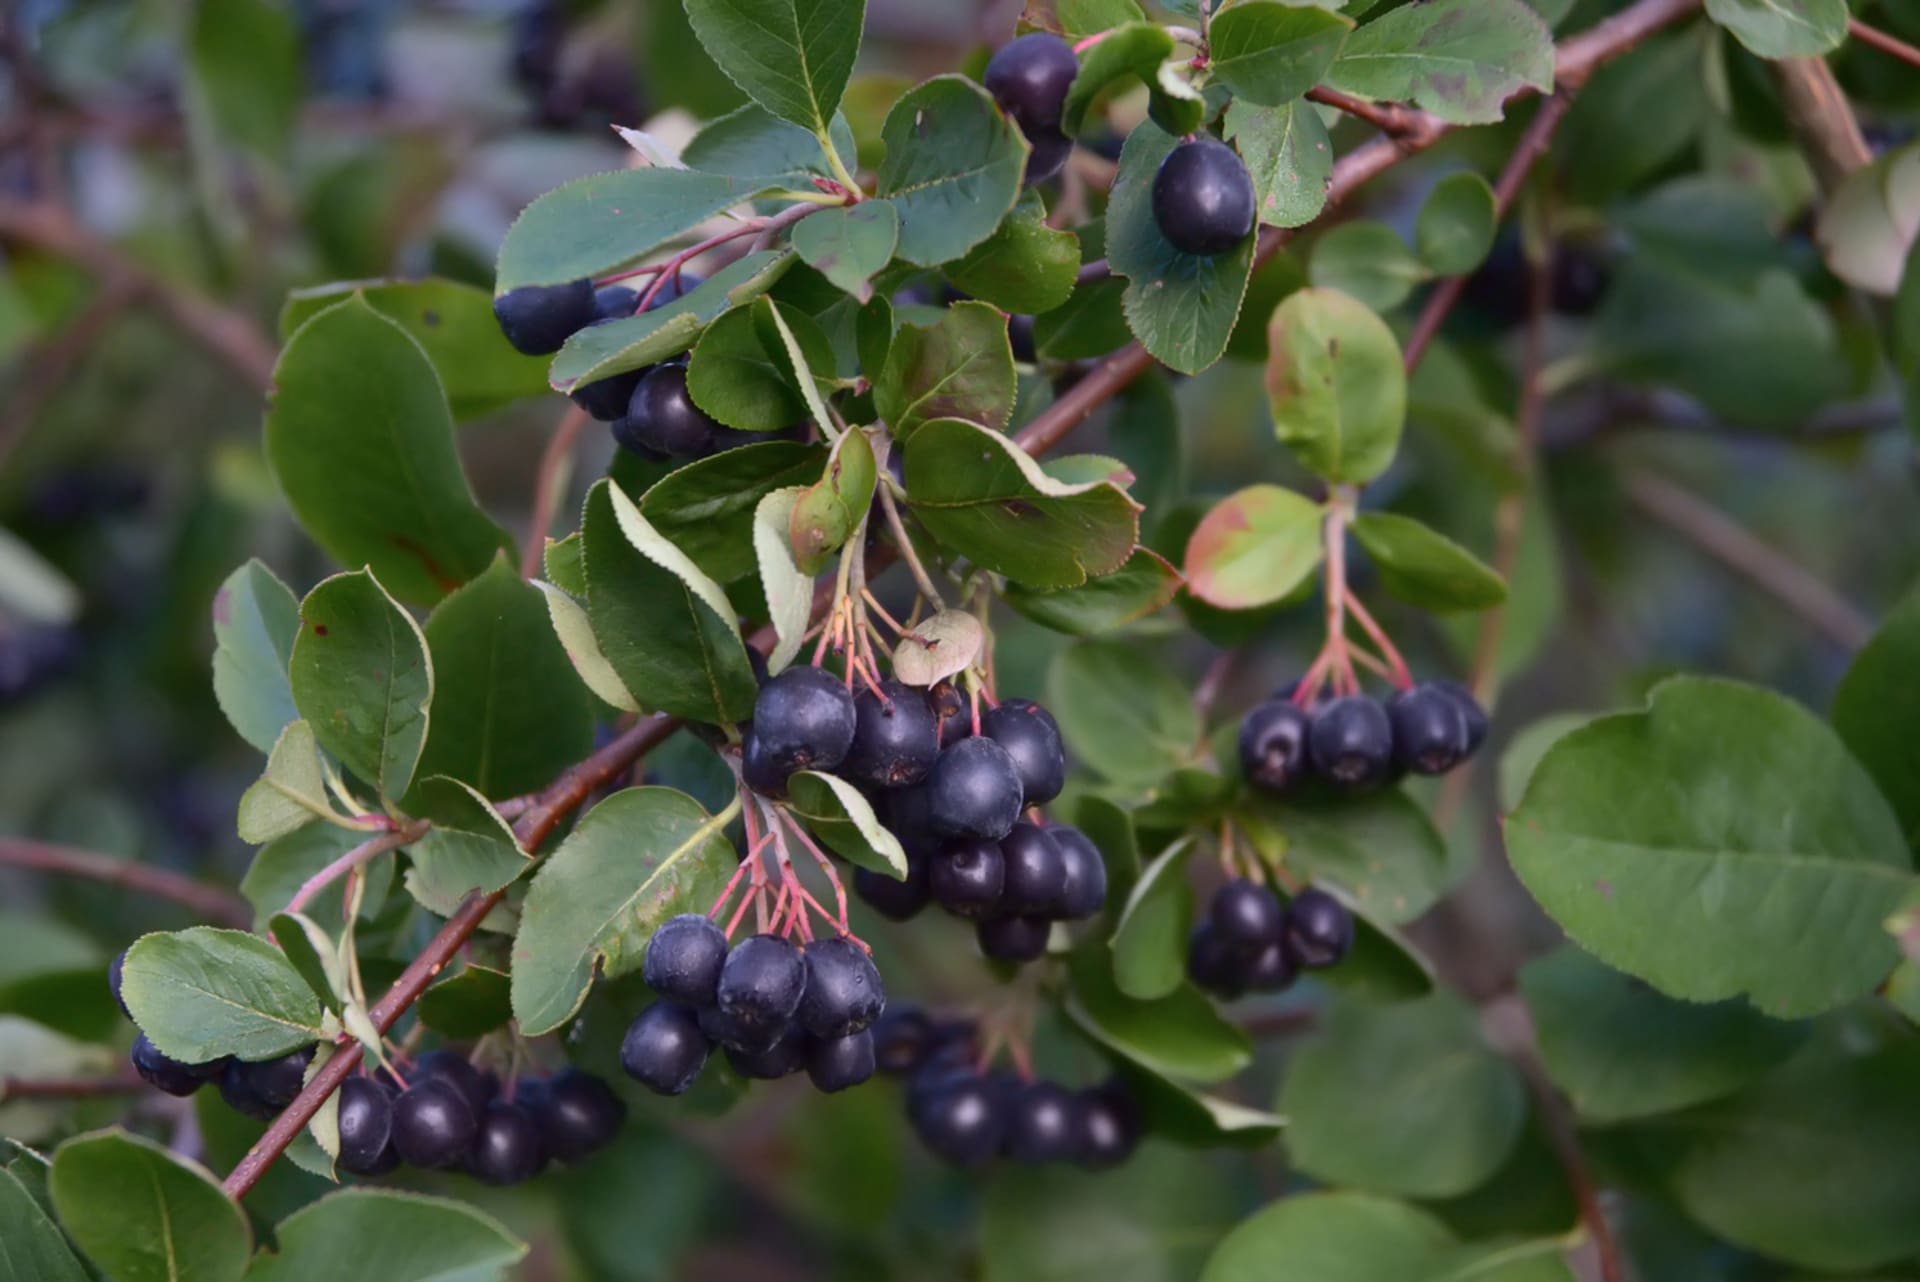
367	851
1733	545
1890	45
211	902
555	464
1822	120
1388	117
13	1088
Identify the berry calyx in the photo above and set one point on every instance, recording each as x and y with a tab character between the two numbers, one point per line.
966	878
507	1148
760	985
433	1125
366	1128
538	319
804	719
1029	78
684	958
1032	738
1246	916
1319	930
843	993
974	791
1273	745
895	737
664	1049
1351	741
836	1063
1203	199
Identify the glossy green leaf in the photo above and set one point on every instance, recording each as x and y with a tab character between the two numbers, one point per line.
980	494
1368	261
1456	224
663	625
1254	547
471	1004
793	57
1146	584
1179	1036
511	715
960	367
741	381
1122	714
363	679
1128	49
574	629
1402	1099
1149	941
454	324
1289	157
1620	1050
1335	385
1783	28
1090	17
849	246
1181	306
836	812
202	993
255	618
1269	52
469	850
616	346
1025	267
142	1214
391	1235
310	951
636	859
1877	699
360	438
1330	1237
751	142
1189	1116
952	170
36	1250
1721	842
1425	568
1091	323
787	588
1459	59
706	508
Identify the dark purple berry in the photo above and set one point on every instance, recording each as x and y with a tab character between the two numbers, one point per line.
163	1072
1051	151
975	791
843	993
757	768
433	1125
1013	939
664	1049
966	878
908	813
1035	882
1273	745
684	958
835	1063
366	1128
1212	963
1271	970
1319	930
1086	892
895	739
538	319
1429	730
760	984
784	1056
1029	78
459	1072
1032	738
1246	916
1470	709
804	720
662	418
961	1120
579	1114
902	1040
507	1148
1109	1126
1202	198
608	398
896	900
1043	1124
1351	741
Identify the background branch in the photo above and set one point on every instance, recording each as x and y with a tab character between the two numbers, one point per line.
211	902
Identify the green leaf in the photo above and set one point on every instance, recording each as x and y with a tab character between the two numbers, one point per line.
1457	223
245	60
1866	231
574	629
1877	699
1091	323
1402	1099
202	993
360	439
1783	28
1425	568
828	512
1128	49
981	495
30	1051
706	508
750	142
394	1236
1741	1167
639	857
664	626
788	588
1903	348
311	952
282	866
1179	1036
952	170
616	346
793	57
1102	605
1368	261
469	850
1090	17
1024	267
596	225
143	1215
961	367
1254	547
1620	1050
1721	842
1380	851
292	792
1122	713
36	1250
454	324
1149	942
471	1004
837	813
849	246
1191	1117
944	644
1289	157
1331	1237
1336	385
363	679
510	714
1269	52
255	618
1181	306
1459	59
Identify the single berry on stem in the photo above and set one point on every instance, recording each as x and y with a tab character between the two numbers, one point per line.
366	1128
895	737
895	899
967	877
579	1115
662	418
433	1125
1470	709
1351	741
507	1148
1247	916
975	791
1109	1126
902	1040
1273	745
1086	888
1203	200
961	1120
684	958
459	1072
760	984
1035	882
1029	78
835	1063
664	1049
784	1056
1013	939
804	719
1032	738
1043	1124
1213	964
1319	930
1429	730
163	1072
843	993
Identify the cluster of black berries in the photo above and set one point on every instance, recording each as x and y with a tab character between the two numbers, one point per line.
1249	942
1029	78
776	1009
448	1115
649	410
951	797
1354	742
969	1117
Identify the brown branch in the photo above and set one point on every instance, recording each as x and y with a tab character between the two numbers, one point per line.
211	902
1736	547
1892	46
555	462
228	334
13	1088
1388	117
1821	118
